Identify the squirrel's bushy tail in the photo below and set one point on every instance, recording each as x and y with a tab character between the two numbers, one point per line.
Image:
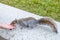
48	21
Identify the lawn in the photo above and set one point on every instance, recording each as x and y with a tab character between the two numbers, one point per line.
50	8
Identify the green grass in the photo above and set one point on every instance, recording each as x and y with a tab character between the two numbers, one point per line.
50	8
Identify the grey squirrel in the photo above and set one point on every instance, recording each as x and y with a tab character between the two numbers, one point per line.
30	22
25	22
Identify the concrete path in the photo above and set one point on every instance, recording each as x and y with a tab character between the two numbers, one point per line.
8	14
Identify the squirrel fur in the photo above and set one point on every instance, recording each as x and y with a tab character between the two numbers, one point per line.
49	21
30	21
25	22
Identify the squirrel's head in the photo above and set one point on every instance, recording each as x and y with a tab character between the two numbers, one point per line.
13	23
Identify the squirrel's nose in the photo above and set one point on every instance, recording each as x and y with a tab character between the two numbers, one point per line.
11	29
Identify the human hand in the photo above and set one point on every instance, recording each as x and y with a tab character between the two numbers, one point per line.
7	26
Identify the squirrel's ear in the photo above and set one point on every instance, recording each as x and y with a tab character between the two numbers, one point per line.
13	22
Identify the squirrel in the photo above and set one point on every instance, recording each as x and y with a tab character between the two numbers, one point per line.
30	22
25	22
